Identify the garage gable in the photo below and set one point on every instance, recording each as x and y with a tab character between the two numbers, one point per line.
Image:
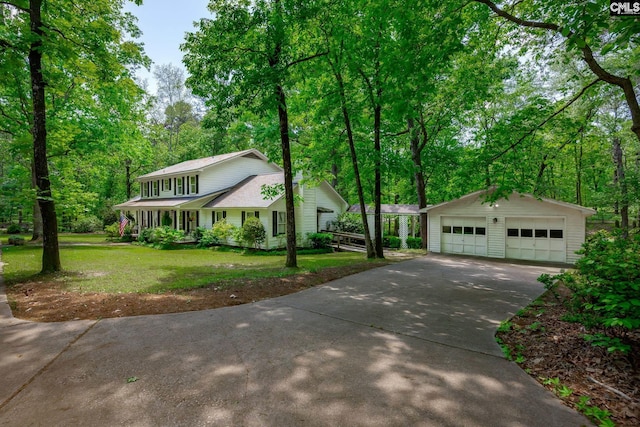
520	227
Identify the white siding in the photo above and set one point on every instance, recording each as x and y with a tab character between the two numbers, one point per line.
230	173
496	214
326	198
309	210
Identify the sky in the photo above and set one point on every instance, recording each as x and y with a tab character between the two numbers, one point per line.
163	24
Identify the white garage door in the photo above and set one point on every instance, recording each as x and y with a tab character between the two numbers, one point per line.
464	235
540	239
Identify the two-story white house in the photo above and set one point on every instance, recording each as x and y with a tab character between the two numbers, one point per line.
197	193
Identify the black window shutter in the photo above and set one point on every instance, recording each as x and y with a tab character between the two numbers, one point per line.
183	192
243	217
175	219
141	190
257	214
197	218
213	217
169	184
162	185
188	185
174	187
197	184
159	186
224	214
274	220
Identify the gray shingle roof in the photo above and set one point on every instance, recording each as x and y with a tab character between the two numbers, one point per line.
198	164
248	193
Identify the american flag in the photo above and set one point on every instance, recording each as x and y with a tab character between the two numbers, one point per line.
123	223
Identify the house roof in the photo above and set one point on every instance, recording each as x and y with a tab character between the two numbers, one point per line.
476	194
172	202
248	193
199	164
389	209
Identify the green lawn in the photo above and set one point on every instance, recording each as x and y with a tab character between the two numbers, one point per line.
131	268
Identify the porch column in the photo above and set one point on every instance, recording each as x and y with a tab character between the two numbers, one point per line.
178	219
404	232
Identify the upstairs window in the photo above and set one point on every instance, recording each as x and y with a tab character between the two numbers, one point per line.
145	189
193	184
166	184
179	189
156	188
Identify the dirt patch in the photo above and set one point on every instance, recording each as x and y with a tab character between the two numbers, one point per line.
49	302
547	348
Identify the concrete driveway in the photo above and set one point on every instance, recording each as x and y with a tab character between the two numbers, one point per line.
410	344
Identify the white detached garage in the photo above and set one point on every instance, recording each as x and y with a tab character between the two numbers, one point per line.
522	227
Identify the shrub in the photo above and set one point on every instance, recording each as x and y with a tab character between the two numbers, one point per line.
16	240
113	232
414	242
109	217
222	230
87	224
320	240
392	242
145	235
14	229
253	232
166	220
208	239
348	223
166	237
197	233
606	284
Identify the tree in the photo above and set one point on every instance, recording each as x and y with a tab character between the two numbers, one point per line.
70	53
242	57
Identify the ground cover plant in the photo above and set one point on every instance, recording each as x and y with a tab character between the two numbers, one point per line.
109	280
581	339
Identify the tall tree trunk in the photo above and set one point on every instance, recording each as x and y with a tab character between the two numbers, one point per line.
50	250
579	174
377	119
283	117
356	170
37	215
624	194
421	188
127	165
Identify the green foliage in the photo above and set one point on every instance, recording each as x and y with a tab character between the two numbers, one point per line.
252	232
320	240
166	237
87	224
14	229
209	238
222	231
560	389
113	232
16	240
145	235
602	417
505	326
348	223
612	344
606	286
414	242
392	242
166	219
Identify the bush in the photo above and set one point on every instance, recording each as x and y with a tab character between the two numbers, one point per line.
197	233
113	232
14	229
166	237
87	224
319	240
606	284
109	217
16	240
208	239
348	223
392	242
414	242
222	230
145	235
253	232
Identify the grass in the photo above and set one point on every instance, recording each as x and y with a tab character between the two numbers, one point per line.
130	268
